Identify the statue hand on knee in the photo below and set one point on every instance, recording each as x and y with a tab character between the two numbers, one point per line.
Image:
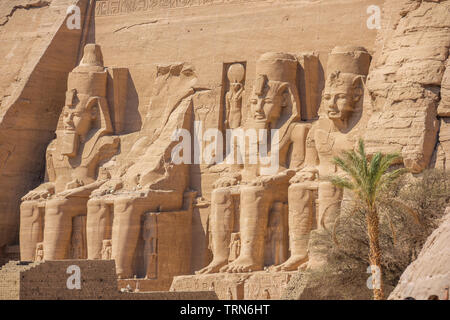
42	192
228	181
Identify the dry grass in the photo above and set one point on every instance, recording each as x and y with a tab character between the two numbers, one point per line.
345	275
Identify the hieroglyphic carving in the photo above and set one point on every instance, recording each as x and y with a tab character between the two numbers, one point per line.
116	7
235	246
106	249
39	256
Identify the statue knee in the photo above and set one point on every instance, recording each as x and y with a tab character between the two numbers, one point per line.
94	206
28	209
220	196
122	205
252	193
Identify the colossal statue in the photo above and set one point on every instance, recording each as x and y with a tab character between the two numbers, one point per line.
329	137
147	180
83	143
274	105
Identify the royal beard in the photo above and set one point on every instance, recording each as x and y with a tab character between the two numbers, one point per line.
70	142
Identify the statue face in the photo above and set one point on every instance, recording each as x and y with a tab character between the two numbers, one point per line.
266	106
338	101
236	86
342	92
78	118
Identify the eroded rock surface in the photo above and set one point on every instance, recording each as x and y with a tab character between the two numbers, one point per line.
429	274
404	97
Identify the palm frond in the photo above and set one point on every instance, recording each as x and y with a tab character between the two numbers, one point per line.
342	183
348	166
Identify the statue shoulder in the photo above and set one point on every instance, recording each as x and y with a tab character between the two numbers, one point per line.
52	145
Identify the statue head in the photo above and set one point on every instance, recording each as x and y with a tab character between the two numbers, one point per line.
342	92
86	114
344	87
235	75
79	114
274	102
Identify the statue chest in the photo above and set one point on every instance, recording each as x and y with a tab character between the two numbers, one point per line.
330	144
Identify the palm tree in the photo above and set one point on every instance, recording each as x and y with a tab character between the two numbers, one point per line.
365	179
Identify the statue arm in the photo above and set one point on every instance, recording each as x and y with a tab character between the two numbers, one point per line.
240	93
298	137
50	174
311	156
83	190
279	178
310	170
227	108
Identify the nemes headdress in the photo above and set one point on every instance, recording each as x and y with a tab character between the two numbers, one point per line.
279	72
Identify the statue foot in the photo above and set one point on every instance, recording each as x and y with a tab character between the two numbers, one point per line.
292	264
124	275
242	265
213	267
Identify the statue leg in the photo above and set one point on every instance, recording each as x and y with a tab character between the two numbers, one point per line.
300	223
31	229
58	226
255	205
222	224
329	204
330	198
98	223
125	235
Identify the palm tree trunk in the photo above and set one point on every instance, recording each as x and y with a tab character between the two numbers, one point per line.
375	253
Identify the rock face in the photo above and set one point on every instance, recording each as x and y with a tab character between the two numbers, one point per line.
117	136
404	98
429	274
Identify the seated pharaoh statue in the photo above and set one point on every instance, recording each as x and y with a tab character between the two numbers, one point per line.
146	183
55	212
328	137
274	107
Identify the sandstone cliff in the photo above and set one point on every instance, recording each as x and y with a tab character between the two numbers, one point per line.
405	82
430	273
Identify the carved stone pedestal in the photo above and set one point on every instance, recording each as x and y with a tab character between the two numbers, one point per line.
237	286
